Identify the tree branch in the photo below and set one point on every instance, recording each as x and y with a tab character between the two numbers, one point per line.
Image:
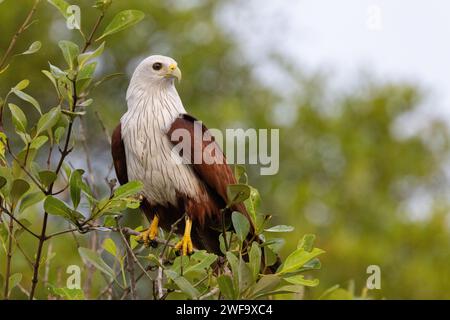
17	34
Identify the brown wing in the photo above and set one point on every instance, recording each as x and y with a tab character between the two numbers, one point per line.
206	157
118	154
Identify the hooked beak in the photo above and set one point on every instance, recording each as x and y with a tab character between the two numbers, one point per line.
173	72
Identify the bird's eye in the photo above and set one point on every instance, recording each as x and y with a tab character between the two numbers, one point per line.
157	66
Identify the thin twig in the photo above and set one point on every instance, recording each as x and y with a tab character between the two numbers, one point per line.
135	259
23	167
94	29
9	255
130	269
17	34
18	221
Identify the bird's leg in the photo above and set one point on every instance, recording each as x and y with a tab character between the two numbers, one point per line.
149	235
185	244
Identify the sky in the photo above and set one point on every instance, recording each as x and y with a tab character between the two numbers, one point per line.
392	40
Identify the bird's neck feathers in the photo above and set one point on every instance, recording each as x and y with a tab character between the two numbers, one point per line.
156	103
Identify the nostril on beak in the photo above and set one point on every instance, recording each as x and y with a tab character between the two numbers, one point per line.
172	67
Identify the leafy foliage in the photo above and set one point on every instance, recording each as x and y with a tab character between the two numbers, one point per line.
34	177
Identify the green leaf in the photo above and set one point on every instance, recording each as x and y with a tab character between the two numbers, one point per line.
237	193
297	259
85	103
85	57
31	199
234	264
110	246
75	185
245	276
61	5
121	21
252	203
38	142
154	259
56	72
129	189
14	280
87	71
34	47
280	228
59	132
299	279
269	256
66	293
203	261
57	207
52	79
226	287
265	285
26	97
47	177
48	120
18	189
70	52
241	225
313	264
183	284
85	76
18	117
307	242
94	258
239	172
255	259
22	84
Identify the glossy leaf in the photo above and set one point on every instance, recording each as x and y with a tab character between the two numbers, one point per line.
237	193
297	259
129	189
75	185
31	199
299	279
183	284
280	228
18	189
85	57
18	117
226	287
48	120
121	21
241	225
110	246
70	52
92	257
34	47
47	177
26	97
255	259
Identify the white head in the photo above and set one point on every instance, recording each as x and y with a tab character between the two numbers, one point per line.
156	71
154	77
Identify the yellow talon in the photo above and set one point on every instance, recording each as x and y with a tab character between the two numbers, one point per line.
185	244
149	235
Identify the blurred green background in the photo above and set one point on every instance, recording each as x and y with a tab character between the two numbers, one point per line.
346	174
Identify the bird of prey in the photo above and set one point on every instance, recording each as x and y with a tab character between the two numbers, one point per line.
142	147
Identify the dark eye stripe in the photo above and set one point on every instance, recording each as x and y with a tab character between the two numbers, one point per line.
157	66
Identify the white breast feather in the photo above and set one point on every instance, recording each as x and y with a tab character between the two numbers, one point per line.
148	149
